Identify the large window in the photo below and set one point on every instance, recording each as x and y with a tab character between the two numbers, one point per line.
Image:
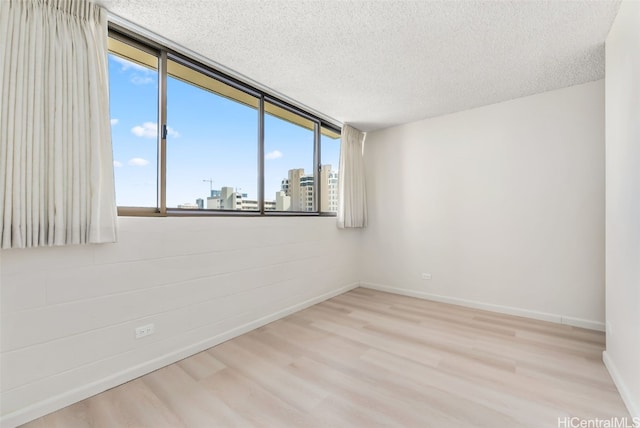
188	139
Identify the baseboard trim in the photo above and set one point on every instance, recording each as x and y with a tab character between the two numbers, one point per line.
27	414
544	316
632	407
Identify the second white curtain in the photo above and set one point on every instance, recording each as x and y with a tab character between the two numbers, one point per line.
56	167
352	198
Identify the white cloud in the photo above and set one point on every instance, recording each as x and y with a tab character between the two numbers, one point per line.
276	154
140	75
150	130
114	121
147	129
141	80
138	162
126	64
117	164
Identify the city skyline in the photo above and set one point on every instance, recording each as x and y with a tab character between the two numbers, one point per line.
286	199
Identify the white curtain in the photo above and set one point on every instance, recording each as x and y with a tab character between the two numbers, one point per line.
56	163
352	202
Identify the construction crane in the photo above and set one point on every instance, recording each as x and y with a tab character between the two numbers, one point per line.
210	181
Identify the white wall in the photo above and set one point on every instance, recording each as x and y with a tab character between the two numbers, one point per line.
503	205
623	204
69	313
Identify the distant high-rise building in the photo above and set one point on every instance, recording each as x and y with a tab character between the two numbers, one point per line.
284	185
283	202
328	189
293	187
300	188
225	199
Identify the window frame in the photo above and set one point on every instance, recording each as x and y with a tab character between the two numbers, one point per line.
164	54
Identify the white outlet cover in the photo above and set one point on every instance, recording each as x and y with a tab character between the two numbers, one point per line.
145	330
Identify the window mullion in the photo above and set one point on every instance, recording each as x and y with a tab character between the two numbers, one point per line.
261	155
317	167
162	137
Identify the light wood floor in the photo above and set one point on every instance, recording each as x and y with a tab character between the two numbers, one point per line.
366	359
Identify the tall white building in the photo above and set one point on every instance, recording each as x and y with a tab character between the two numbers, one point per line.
328	189
299	187
283	202
224	199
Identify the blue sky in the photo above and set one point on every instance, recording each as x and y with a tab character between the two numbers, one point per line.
210	137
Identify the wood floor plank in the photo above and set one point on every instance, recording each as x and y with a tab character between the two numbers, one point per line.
189	401
251	400
201	365
281	382
130	405
367	359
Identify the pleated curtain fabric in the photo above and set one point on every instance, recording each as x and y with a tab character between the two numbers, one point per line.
56	162
352	201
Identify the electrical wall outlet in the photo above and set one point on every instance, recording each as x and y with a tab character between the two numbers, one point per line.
145	330
426	276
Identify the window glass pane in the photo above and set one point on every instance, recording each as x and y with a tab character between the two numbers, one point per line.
133	97
288	161
330	162
212	143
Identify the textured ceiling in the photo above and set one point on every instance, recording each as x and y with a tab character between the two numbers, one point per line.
380	63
